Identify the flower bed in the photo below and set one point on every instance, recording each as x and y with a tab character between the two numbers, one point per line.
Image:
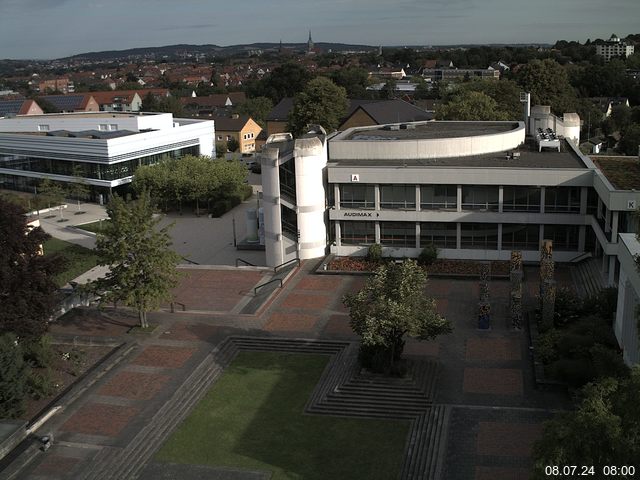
439	267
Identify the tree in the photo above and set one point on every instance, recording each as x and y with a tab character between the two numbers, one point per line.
287	80
233	145
27	289
149	103
13	377
389	89
353	79
390	306
630	141
257	108
322	102
142	266
602	431
470	105
548	83
506	94
51	193
78	187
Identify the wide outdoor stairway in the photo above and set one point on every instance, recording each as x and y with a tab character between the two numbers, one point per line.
587	277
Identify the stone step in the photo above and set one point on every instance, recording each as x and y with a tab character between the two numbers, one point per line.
394	403
353	411
427	444
379	392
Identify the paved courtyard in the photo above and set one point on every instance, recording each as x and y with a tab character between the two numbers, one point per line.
486	379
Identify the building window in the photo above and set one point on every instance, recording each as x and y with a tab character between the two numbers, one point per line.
592	202
398	234
103	127
229	137
220	138
438	197
287	173
442	235
521	199
398	197
357	233
483	198
357	196
289	222
520	237
483	236
113	127
562	200
43	128
564	237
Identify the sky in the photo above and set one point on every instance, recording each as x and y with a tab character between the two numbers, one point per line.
46	29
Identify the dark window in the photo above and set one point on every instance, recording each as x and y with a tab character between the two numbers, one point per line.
357	233
482	236
592	202
398	234
521	199
289	222
564	237
357	196
398	196
442	235
438	197
479	198
520	237
562	200
287	173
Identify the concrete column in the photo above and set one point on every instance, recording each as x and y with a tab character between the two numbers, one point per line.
614	227
377	232
336	195
376	197
458	230
459	200
500	200
582	235
607	221
500	229
542	191
338	230
584	192
417	198
599	210
612	271
417	234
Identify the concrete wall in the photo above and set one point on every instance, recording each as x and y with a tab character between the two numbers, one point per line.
626	323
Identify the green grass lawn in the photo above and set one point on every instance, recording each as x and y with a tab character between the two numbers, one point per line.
94	227
253	419
79	259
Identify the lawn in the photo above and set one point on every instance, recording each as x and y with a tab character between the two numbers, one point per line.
253	419
79	259
94	227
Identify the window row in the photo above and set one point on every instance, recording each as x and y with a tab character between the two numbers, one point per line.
474	197
483	236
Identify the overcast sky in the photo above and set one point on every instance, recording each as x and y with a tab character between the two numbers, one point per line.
57	28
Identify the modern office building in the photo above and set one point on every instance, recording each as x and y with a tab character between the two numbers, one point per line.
105	148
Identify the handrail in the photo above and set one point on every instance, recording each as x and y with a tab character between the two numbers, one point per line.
190	261
173	310
255	290
244	261
297	260
579	258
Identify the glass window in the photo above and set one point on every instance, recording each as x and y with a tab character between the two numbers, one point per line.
438	197
289	222
398	196
357	233
479	198
564	237
482	236
357	196
520	199
287	173
592	201
398	234
442	235
562	200
520	237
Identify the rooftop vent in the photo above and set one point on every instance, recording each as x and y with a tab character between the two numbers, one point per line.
391	127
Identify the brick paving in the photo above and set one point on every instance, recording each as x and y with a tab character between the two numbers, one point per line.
291	322
165	357
507	439
498	349
422	348
493	381
338	326
308	301
331	283
134	385
54	465
100	419
189	331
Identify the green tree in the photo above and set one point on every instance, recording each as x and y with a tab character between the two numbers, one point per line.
50	192
602	431
353	79
78	187
470	105
548	83
27	289
233	145
142	266
506	94
390	306
149	103
287	80
322	102
14	374
630	141
389	89
257	108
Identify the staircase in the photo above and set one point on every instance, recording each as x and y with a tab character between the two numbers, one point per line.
587	277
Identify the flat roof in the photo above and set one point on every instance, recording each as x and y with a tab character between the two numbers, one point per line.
529	158
622	172
429	130
86	115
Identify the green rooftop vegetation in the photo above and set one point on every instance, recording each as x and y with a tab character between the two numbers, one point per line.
622	172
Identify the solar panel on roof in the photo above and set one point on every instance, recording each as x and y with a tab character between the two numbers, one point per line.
65	102
10	107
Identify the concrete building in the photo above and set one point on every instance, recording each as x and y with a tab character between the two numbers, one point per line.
62	85
614	47
105	147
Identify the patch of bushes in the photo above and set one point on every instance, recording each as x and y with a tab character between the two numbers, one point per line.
374	253
428	255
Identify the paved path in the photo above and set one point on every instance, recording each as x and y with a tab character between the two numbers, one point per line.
485	381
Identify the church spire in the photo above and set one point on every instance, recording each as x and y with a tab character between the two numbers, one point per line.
310	44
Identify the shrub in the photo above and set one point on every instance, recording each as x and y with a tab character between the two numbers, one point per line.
13	377
39	353
572	345
603	304
246	191
607	362
220	207
568	307
547	346
374	254
575	372
428	255
40	383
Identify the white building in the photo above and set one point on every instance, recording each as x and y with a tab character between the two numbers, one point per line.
105	148
614	47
